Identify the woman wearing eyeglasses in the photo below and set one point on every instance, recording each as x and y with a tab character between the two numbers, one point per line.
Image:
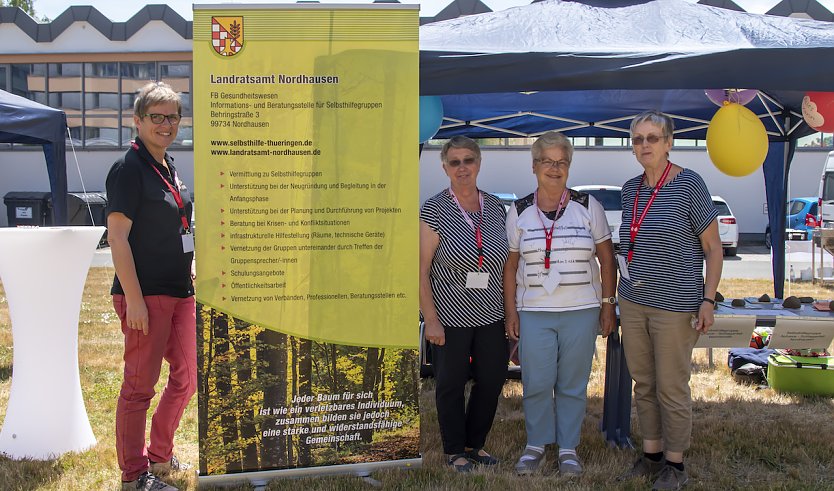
669	229
148	213
463	249
559	288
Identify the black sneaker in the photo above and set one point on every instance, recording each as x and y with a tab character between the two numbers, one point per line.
643	467
671	478
147	482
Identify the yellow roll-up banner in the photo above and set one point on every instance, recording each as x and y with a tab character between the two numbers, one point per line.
306	130
306	179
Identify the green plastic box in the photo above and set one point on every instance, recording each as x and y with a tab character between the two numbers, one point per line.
801	374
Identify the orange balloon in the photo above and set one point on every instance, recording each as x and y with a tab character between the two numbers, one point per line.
736	140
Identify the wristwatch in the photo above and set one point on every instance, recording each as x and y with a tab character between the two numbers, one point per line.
611	300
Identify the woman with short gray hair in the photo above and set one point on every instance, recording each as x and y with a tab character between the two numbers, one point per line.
559	288
463	249
669	230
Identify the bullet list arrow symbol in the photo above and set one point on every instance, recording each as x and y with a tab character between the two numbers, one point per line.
222	186
221	173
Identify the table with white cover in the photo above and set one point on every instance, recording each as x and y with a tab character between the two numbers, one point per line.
43	271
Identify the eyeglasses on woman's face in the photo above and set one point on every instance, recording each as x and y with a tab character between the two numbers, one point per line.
553	164
651	139
173	119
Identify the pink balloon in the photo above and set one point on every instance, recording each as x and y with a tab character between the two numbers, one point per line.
740	96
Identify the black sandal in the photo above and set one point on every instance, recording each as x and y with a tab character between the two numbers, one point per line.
467	467
477	458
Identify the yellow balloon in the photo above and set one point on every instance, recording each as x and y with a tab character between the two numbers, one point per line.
736	140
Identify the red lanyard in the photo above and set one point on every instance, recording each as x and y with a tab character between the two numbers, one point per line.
635	222
548	234
174	191
477	230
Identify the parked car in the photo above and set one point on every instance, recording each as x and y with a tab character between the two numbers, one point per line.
727	226
611	199
801	219
826	193
506	199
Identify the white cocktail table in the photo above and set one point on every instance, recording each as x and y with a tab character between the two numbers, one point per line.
43	271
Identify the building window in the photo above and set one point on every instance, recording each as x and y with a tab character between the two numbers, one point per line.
98	97
178	76
65	93
134	76
29	81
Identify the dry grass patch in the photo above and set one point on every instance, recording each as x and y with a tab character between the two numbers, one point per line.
743	438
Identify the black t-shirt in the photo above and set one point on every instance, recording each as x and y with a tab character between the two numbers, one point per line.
137	191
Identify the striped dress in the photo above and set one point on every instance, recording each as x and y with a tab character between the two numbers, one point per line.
457	255
667	269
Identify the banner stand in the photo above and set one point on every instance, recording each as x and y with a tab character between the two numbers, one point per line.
306	179
261	478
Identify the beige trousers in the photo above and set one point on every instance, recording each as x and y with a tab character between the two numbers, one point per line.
658	348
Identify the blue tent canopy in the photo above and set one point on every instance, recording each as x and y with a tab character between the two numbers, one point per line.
26	121
587	71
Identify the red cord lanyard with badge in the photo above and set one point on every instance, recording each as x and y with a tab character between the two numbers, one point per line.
475	279
636	222
552	278
187	238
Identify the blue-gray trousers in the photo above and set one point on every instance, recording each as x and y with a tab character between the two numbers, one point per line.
556	350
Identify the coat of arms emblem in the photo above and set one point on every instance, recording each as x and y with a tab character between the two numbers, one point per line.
227	35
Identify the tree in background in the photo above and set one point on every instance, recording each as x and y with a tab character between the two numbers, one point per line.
25	5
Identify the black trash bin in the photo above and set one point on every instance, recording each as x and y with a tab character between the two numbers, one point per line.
86	208
28	208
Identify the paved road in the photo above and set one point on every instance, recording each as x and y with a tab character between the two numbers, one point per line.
752	262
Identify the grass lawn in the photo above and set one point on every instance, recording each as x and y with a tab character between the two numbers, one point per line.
743	438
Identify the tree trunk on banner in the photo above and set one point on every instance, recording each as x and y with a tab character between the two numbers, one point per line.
272	377
305	388
228	421
245	387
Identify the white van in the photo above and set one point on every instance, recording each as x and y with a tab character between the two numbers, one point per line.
827	193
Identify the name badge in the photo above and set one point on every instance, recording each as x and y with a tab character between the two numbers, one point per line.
187	243
477	280
623	263
552	280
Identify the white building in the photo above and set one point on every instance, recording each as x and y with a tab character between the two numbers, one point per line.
90	67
